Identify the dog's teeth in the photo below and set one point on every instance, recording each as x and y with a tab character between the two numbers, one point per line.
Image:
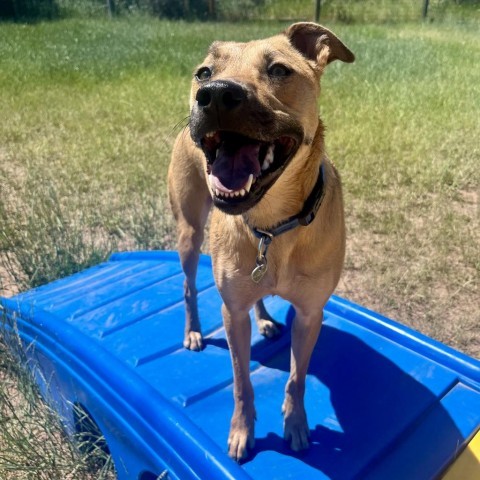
249	183
269	156
236	193
216	153
210	134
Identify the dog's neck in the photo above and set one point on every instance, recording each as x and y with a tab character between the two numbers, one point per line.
287	196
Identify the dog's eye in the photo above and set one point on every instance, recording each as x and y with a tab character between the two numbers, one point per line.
279	70
203	74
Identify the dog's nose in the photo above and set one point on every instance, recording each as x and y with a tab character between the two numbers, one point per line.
223	94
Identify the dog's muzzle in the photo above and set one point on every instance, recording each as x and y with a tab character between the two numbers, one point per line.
246	148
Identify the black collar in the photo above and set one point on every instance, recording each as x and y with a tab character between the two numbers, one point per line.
304	218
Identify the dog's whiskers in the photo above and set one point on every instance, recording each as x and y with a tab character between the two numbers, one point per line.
180	125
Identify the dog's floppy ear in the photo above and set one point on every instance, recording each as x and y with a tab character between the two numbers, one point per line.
318	43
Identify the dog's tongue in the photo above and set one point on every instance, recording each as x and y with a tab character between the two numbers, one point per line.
232	167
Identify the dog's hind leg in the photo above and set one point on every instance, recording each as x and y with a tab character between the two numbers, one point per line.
267	326
190	202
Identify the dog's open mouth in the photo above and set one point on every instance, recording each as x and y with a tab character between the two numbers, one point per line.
241	169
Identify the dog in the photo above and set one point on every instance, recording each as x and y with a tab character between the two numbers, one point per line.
254	148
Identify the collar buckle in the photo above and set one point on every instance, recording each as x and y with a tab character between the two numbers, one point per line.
307	219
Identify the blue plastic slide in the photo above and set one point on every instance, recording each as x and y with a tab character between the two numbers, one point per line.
383	402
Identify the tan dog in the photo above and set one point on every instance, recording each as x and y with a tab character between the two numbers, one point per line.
255	147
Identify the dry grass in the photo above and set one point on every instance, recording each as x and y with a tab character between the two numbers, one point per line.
33	445
424	276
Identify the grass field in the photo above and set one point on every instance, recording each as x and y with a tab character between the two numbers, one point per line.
90	110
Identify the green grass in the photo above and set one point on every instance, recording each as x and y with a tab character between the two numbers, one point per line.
370	11
405	141
90	110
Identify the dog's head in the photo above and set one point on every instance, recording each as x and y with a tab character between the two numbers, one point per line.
254	104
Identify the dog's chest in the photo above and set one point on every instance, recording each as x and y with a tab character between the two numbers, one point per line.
288	269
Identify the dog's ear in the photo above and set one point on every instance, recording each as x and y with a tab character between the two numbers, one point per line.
318	43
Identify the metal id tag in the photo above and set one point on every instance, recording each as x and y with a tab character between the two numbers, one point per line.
259	271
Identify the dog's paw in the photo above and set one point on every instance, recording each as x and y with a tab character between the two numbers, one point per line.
193	341
296	431
239	441
269	328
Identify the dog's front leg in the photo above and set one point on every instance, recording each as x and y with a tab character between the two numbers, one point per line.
238	329
305	331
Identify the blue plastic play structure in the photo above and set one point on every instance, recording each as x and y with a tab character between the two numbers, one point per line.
383	402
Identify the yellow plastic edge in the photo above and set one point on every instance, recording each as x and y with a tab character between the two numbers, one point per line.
467	466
